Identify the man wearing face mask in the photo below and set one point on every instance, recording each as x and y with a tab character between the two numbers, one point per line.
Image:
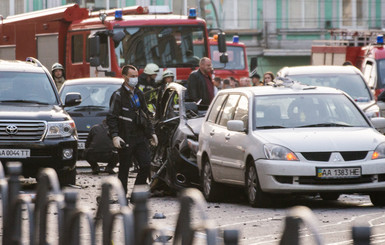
130	127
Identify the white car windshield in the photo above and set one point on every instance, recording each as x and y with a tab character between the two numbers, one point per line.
352	84
306	110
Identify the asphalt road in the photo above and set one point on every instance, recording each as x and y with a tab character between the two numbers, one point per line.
333	219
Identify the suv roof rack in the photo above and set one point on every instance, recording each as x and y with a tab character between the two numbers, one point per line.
34	61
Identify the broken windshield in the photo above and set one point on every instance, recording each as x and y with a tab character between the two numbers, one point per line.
167	46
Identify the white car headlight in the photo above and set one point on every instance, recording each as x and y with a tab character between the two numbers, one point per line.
277	152
379	152
60	129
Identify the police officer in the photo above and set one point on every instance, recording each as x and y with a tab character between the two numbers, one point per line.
146	80
130	127
57	73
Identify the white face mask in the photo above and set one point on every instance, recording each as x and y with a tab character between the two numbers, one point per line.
132	81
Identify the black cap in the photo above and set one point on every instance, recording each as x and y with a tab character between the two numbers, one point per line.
255	75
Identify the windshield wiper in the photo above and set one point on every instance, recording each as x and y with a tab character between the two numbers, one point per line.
26	101
326	125
270	126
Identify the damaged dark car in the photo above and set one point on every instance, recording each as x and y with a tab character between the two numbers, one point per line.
177	124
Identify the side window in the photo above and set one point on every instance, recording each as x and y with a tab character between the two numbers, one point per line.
77	48
172	109
215	109
242	111
229	109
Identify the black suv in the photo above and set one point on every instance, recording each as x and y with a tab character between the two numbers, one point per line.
34	127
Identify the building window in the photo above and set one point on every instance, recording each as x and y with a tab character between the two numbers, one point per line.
303	14
354	13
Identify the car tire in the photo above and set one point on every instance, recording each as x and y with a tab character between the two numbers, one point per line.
378	199
67	177
255	195
329	196
210	188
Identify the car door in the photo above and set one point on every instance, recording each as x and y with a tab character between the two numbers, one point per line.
218	141
208	132
234	145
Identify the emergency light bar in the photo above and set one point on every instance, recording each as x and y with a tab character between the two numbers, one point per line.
380	39
235	39
118	14
192	13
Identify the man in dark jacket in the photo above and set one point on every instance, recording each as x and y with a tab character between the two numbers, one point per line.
99	148
130	127
199	84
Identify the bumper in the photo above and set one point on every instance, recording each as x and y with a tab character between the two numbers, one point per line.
184	171
296	177
44	154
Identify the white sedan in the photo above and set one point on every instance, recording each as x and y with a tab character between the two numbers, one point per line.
290	139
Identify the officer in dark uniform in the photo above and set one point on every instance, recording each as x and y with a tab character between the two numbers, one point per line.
99	148
130	127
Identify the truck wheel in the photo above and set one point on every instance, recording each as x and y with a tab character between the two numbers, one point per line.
255	195
378	199
67	177
210	188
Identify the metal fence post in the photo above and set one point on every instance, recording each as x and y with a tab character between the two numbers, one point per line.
4	202
361	235
69	209
230	237
140	196
14	170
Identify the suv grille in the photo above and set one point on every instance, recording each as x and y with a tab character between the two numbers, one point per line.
22	130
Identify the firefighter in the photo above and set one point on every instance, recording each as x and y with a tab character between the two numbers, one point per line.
146	80
57	73
130	127
167	78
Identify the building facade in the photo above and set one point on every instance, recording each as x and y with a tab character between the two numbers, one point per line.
277	32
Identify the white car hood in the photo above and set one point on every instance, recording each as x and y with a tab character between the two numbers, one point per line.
322	139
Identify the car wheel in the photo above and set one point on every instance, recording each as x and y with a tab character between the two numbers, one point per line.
67	177
329	196
209	186
378	199
255	195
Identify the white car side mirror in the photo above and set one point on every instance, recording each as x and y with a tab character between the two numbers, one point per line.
379	124
236	125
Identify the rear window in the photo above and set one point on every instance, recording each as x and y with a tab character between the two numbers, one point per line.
16	86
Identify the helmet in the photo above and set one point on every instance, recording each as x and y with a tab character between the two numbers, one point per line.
57	66
151	69
168	73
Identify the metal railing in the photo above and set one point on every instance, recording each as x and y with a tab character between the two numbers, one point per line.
133	223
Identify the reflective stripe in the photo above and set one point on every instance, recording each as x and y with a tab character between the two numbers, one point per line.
125	118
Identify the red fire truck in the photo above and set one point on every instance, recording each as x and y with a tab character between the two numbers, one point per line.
100	43
237	59
364	49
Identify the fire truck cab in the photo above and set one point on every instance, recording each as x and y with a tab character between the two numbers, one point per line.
236	65
92	44
363	49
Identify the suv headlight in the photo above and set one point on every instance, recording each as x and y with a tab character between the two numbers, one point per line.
277	152
60	129
379	152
